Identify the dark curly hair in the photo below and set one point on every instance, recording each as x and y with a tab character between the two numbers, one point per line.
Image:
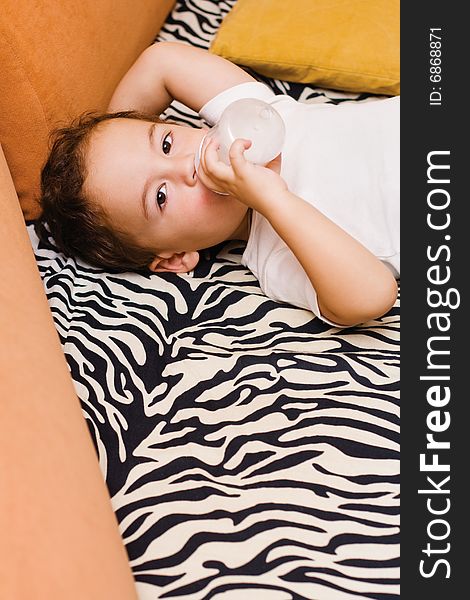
78	226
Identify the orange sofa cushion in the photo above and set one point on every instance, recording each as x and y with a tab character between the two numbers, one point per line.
58	59
59	536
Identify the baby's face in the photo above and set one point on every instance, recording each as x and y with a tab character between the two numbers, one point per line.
143	176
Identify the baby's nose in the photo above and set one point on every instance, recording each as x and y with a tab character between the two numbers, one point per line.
186	169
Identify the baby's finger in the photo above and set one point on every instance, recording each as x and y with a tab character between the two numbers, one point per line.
207	181
212	164
236	152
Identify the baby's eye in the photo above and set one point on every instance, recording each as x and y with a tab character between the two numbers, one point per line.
167	143
161	195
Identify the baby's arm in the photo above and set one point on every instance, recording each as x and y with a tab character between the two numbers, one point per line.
352	285
169	71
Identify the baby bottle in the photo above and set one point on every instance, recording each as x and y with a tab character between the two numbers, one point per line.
250	119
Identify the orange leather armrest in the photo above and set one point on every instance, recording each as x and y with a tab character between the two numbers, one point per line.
59	536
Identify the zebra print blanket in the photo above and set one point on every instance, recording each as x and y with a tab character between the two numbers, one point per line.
250	450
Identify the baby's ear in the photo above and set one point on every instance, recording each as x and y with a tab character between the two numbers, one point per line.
167	262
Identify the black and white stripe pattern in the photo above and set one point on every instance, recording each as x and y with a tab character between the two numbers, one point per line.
251	451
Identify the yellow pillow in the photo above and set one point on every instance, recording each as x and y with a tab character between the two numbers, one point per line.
350	45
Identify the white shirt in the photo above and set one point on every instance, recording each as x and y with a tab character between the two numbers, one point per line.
344	160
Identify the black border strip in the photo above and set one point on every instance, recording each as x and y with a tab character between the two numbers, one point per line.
439	128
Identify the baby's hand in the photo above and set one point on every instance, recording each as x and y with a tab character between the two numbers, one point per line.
251	184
